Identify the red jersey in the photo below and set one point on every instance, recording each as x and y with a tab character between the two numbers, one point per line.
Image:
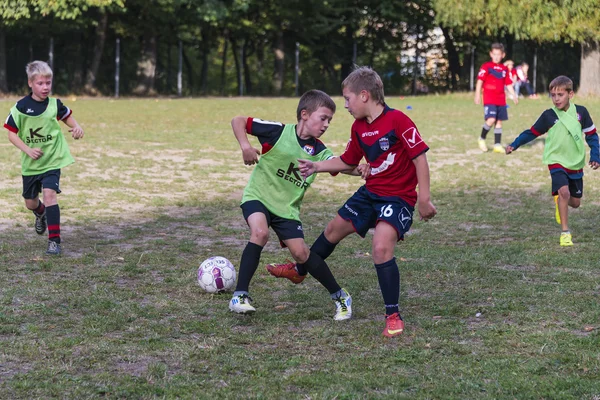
494	77
389	144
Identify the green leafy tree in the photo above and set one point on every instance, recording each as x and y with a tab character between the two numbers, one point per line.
571	21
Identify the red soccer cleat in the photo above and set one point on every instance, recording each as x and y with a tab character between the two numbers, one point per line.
286	270
394	326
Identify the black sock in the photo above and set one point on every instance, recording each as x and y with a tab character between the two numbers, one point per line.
248	266
485	130
497	135
53	218
389	283
321	247
39	210
319	269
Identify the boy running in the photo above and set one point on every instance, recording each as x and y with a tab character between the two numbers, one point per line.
34	129
567	125
493	77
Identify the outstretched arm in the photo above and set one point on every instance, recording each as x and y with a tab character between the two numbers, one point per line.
307	168
249	153
525	137
426	208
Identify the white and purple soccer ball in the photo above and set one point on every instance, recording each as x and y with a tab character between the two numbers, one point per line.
216	275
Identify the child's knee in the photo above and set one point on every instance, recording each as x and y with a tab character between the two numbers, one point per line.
301	254
564	192
259	236
32	204
382	253
574	202
50	197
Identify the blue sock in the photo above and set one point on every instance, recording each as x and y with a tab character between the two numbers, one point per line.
389	283
322	247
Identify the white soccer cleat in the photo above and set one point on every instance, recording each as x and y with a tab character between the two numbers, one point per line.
241	304
343	307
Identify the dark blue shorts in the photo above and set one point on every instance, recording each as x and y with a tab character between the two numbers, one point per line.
33	184
284	228
560	178
500	113
364	209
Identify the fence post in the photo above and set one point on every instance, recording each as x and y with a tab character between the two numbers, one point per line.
297	70
180	69
472	77
117	65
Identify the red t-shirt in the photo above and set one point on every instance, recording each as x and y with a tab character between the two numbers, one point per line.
389	144
494	77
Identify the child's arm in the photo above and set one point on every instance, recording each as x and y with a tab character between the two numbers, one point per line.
511	91
20	144
362	170
592	141
307	168
524	138
76	130
478	87
426	208
249	153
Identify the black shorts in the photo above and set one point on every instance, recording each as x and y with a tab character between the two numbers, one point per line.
283	227
364	209
560	178
500	113
33	184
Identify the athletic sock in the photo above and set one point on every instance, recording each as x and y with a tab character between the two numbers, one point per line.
319	269
39	210
340	293
389	283
53	218
497	135
322	247
484	130
248	266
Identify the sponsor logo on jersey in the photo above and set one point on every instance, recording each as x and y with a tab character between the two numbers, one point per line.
292	175
29	111
384	143
384	165
412	137
309	149
367	134
35	137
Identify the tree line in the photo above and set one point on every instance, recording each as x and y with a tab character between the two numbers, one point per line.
269	47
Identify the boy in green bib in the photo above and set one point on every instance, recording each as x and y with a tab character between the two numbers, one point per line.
273	195
567	126
34	129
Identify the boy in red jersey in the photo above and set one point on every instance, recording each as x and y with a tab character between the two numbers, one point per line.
493	77
393	147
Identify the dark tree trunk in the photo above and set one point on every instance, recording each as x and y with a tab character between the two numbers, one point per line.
279	63
236	60
224	63
247	75
146	66
3	79
204	73
92	72
347	60
453	60
590	69
78	62
190	69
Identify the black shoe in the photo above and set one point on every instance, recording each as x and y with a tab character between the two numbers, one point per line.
40	223
53	248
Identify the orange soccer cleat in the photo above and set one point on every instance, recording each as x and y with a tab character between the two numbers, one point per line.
394	326
286	270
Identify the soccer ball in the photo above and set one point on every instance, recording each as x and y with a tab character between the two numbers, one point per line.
216	275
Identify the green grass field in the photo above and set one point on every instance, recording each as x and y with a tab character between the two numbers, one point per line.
494	307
